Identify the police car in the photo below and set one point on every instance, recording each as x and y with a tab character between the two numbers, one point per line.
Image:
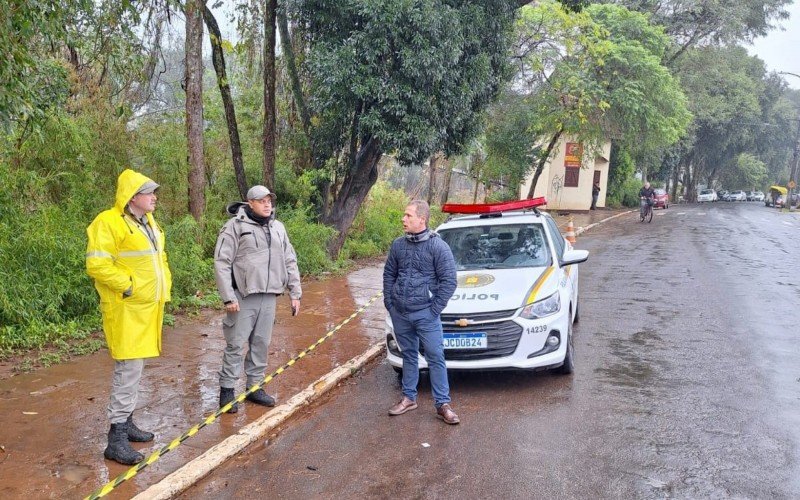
517	292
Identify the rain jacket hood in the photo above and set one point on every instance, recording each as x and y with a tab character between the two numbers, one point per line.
131	274
128	184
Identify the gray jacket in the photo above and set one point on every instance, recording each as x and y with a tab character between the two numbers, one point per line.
254	258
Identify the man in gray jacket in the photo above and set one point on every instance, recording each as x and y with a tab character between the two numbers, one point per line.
254	263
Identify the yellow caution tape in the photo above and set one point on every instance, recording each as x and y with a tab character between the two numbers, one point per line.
109	487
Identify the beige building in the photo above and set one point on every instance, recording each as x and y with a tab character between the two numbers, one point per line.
567	178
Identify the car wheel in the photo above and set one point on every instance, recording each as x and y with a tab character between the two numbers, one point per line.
397	370
577	313
569	360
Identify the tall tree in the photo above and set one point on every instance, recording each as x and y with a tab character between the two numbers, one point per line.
410	78
287	52
445	193
71	49
510	141
432	164
194	107
269	139
725	86
218	59
597	76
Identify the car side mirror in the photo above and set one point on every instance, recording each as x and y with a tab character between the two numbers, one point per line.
574	257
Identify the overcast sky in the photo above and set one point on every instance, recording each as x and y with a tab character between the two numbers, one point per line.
781	49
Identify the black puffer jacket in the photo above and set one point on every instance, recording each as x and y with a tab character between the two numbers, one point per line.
419	274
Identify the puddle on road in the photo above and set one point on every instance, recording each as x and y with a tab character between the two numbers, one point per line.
74	473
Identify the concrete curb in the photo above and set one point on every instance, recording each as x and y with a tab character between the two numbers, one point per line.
215	456
582	230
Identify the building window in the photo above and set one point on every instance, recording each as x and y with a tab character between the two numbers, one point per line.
571	177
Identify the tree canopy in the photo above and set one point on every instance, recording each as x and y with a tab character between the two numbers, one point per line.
404	77
696	23
596	75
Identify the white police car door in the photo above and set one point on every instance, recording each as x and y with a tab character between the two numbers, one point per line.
566	278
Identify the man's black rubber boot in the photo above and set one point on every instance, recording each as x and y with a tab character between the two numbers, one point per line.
261	398
226	395
137	435
119	449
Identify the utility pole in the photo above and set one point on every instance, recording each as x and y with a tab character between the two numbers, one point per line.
795	157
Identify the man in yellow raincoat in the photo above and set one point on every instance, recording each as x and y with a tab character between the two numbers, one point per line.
126	259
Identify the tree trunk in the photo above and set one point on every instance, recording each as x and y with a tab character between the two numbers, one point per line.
218	58
487	191
675	177
419	187
446	187
291	67
194	107
73	59
432	178
269	93
543	161
689	182
353	192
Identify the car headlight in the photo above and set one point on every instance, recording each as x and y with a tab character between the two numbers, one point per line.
541	308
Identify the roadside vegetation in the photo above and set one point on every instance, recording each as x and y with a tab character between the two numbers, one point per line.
317	104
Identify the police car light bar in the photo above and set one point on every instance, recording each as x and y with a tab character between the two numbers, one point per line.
491	208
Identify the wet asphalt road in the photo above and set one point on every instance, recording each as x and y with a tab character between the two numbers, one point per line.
687	385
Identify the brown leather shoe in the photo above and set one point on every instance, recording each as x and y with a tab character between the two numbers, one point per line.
447	414
403	406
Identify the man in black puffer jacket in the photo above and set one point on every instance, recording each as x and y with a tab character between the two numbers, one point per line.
418	280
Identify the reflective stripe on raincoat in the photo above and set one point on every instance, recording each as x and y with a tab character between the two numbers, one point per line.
120	256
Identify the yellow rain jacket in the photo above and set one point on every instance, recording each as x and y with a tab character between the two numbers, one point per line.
120	256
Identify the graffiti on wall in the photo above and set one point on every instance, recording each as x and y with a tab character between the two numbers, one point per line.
556	189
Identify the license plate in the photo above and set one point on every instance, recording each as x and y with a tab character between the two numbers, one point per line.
475	340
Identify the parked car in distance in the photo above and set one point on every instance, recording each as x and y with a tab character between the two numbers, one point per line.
738	196
662	199
707	195
757	196
723	195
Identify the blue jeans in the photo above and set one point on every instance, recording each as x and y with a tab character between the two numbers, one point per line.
409	329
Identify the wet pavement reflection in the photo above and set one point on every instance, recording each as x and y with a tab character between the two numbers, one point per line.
686	386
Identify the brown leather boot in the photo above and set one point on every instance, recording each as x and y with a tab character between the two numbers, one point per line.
403	406
447	414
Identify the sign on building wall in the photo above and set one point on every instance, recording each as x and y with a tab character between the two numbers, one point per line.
572	164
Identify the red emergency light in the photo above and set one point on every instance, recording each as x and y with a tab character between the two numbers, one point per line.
492	208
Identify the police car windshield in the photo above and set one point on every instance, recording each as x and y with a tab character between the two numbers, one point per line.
498	247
